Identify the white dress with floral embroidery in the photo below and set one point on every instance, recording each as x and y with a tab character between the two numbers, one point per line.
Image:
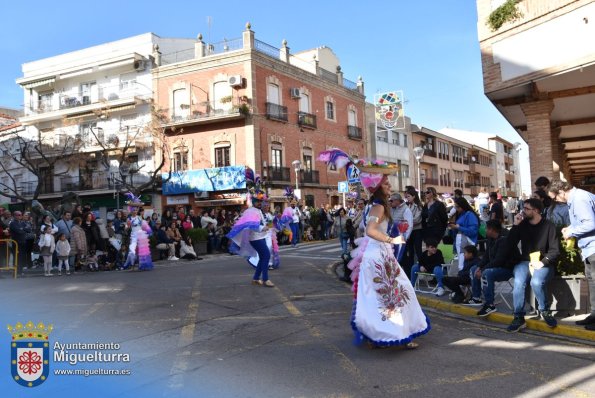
385	310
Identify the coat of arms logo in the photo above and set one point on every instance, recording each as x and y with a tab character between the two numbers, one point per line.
29	353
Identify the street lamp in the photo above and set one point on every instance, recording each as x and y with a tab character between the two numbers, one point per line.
418	152
297	165
517	148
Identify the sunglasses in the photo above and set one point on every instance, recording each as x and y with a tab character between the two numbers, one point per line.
429	192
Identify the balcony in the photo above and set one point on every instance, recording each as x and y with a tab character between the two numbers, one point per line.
28	188
430	181
430	152
276	112
59	105
307	120
473	168
279	174
203	113
354	132
309	177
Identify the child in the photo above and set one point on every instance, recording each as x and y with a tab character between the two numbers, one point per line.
430	262
308	235
463	278
63	251
92	261
47	245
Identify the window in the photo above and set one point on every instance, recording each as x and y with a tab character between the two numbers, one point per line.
128	121
404	140
45	101
276	155
351	118
180	104
88	92
85	133
405	170
396	138
310	200
222	158
127	82
273	94
330	110
180	162
304	103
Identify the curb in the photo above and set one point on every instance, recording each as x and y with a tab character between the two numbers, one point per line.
540	326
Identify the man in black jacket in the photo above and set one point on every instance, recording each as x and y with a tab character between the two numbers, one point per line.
495	266
539	255
18	233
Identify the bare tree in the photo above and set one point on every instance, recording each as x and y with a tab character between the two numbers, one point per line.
118	153
37	155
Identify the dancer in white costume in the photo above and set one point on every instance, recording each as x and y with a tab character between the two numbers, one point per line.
385	309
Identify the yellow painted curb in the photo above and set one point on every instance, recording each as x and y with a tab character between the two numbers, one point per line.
560	330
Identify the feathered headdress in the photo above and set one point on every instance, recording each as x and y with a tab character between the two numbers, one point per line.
336	157
373	172
133	200
254	186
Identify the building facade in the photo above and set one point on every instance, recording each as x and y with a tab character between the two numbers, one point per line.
87	99
539	72
245	103
448	164
507	164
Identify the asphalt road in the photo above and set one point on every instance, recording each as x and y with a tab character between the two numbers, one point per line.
199	329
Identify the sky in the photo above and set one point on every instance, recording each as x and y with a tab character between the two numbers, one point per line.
427	48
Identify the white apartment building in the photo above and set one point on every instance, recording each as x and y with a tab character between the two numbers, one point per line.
394	147
508	172
101	93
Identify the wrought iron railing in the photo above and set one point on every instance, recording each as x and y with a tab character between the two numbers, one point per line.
202	110
279	174
266	48
307	120
276	112
177	56
309	177
349	84
225	46
354	132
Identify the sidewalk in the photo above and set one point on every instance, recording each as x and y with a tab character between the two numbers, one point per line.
566	326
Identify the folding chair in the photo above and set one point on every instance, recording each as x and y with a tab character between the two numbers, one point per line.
500	288
424	277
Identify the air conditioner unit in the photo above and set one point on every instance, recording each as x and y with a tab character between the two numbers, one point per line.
294	92
235	81
139	65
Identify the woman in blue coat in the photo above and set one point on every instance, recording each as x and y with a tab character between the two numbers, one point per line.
467	227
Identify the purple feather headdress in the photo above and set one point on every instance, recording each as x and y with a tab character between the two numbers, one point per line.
336	157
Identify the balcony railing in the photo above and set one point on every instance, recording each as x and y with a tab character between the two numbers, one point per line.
429	152
276	112
279	174
307	120
309	177
430	181
101	94
28	188
354	132
202	111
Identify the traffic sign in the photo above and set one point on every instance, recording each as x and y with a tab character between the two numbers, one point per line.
352	174
343	187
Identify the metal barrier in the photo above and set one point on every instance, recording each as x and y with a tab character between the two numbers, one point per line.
5	263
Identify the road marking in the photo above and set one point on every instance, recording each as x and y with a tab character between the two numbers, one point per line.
180	364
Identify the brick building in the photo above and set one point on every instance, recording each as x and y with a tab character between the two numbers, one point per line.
539	71
448	163
243	102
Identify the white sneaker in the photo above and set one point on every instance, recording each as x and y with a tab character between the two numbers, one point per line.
439	291
173	258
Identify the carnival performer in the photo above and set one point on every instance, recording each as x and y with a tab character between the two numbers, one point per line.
271	240
139	236
249	233
385	309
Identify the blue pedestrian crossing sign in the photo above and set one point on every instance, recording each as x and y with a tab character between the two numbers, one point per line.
343	187
352	174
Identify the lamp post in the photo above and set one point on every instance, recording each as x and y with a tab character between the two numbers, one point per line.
517	167
297	165
418	152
